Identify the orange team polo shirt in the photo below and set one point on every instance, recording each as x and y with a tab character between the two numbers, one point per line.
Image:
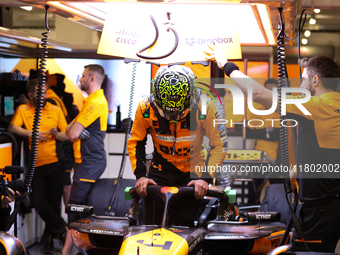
93	117
51	116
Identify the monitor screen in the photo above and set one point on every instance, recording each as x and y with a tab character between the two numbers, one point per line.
8	105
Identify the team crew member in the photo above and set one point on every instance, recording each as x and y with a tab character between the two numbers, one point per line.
53	98
48	180
173	116
87	132
318	143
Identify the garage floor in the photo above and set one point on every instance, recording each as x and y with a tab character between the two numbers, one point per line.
37	249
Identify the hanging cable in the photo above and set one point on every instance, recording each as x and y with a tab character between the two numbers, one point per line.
281	83
283	130
36	122
127	133
298	42
40	97
300	26
129	122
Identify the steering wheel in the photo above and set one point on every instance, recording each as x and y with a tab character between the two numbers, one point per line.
171	194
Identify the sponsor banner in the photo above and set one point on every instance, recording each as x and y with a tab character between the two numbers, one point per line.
129	29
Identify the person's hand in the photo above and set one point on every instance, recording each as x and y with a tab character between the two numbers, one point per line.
44	136
201	188
216	54
141	185
54	132
10	198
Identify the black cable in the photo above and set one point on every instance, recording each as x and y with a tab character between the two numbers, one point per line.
300	26
299	31
281	84
36	122
42	79
283	131
127	132
138	53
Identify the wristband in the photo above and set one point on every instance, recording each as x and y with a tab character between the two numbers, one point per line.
229	67
85	134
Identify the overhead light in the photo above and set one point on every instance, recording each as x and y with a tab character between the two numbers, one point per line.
312	21
307	33
267	25
18	38
304	41
317	10
76	12
88	8
27	8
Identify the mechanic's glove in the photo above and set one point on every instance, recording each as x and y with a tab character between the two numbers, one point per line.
84	134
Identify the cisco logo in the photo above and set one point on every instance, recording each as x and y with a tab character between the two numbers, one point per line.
192	41
127	37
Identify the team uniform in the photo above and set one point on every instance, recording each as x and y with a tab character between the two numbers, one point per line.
89	154
47	183
318	148
178	156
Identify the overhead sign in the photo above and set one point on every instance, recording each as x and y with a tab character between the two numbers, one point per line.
129	29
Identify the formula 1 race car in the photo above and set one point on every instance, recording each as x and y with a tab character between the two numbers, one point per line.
258	233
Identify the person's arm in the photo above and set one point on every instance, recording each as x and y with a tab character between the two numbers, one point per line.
136	149
201	188
19	131
260	94
59	132
218	141
74	130
60	136
68	127
218	144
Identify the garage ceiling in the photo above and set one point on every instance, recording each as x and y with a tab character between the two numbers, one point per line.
325	33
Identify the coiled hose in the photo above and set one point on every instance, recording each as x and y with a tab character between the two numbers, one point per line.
129	122
36	122
282	81
37	116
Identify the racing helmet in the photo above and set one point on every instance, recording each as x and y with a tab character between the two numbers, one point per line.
174	91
